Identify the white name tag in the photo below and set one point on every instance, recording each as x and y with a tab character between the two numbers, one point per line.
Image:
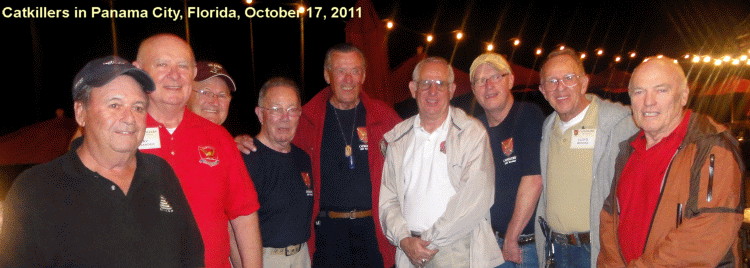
151	139
583	139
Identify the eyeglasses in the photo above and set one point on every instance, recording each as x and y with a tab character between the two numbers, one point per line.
568	80
493	78
427	84
344	71
279	111
208	94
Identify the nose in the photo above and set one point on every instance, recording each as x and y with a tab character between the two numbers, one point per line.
649	99
174	73
128	116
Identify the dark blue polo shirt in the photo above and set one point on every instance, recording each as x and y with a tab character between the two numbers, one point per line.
284	185
342	188
515	148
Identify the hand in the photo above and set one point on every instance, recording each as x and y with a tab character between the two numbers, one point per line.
245	143
511	251
417	251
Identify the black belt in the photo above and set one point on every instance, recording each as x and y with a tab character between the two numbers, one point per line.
573	239
523	239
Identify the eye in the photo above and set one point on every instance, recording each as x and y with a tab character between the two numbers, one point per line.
139	109
114	105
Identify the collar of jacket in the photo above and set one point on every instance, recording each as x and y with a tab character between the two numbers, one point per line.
459	120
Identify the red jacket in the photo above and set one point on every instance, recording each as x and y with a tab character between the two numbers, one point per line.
380	118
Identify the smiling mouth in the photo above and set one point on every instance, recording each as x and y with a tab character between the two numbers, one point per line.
125	132
489	96
650	114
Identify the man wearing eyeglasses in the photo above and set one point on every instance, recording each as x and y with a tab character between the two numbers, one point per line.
212	92
281	172
203	154
579	146
438	180
515	131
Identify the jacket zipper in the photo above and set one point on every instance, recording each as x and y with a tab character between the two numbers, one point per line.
661	194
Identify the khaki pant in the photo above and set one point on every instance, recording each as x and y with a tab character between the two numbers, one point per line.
300	259
455	255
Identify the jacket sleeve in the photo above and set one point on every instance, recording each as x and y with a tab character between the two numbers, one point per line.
474	196
391	218
609	254
702	241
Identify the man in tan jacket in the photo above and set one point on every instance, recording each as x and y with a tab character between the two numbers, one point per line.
676	195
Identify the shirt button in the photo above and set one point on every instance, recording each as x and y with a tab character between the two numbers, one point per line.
172	152
113	188
171	138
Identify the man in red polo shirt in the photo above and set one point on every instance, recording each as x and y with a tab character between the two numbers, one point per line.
676	195
203	154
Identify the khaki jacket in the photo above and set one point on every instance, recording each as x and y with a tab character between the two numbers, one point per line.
708	233
471	171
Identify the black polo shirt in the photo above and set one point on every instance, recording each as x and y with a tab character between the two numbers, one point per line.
343	188
515	148
63	214
284	185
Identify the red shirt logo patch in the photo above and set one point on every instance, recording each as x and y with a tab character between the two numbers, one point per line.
208	155
507	146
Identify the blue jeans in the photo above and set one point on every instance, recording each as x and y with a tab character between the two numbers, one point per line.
572	256
528	256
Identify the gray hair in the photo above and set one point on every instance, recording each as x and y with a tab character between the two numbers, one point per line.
567	52
276	82
434	59
343	48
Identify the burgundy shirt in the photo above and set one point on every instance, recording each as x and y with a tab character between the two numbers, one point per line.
640	186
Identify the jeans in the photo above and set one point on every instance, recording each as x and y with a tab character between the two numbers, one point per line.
572	256
528	256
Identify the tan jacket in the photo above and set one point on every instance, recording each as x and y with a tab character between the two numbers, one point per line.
471	171
708	233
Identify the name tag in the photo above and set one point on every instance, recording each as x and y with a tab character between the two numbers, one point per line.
583	139
151	139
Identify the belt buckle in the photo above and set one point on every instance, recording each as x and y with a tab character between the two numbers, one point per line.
351	214
291	250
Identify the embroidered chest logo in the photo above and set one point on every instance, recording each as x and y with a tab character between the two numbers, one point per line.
362	134
164	205
308	183
507	146
208	155
442	147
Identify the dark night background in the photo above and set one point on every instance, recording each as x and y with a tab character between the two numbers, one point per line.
41	56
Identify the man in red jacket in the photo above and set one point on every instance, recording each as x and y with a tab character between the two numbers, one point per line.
340	128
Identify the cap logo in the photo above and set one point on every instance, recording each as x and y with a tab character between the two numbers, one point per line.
215	68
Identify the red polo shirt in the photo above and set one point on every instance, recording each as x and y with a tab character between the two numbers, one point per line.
640	186
213	176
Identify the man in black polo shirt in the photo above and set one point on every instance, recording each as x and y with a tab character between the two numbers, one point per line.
281	173
515	130
103	204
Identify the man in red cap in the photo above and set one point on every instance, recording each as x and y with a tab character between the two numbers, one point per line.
212	92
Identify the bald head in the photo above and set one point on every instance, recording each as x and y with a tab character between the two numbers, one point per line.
169	60
658	93
665	66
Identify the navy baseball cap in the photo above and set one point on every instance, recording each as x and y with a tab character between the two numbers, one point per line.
101	71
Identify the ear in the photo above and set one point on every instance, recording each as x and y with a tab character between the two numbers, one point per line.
584	83
684	95
326	76
137	64
259	114
510	80
451	89
413	89
78	109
